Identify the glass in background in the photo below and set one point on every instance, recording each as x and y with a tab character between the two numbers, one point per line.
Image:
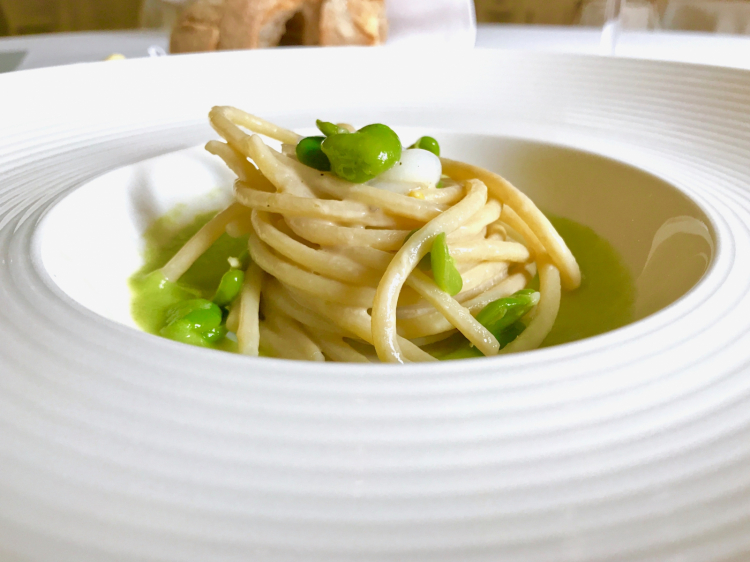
720	16
554	12
708	16
20	17
713	16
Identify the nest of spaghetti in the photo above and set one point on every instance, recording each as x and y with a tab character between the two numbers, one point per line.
418	262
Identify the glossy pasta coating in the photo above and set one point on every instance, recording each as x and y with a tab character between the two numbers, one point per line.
334	271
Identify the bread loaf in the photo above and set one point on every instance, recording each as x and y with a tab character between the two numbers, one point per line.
198	27
209	25
352	22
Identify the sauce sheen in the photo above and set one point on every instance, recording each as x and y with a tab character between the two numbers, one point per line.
153	295
604	301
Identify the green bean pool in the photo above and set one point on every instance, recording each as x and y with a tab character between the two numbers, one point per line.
604	301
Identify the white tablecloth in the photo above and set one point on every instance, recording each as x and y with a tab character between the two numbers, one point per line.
67	48
725	50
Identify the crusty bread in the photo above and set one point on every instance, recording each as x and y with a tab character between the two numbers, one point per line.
353	22
260	23
198	27
208	25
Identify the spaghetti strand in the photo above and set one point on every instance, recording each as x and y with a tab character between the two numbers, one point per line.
346	271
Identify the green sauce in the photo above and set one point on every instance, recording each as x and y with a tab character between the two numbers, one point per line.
606	298
604	302
153	295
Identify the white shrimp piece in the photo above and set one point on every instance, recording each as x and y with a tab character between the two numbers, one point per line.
417	169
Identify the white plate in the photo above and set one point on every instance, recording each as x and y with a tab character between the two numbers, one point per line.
115	445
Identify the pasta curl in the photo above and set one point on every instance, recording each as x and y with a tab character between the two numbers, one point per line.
345	271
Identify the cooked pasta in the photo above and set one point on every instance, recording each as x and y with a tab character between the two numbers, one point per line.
368	260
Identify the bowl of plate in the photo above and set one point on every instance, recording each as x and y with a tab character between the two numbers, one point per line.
629	445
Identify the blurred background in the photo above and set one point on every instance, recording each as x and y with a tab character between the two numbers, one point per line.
24	17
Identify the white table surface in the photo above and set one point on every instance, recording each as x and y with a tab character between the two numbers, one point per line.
725	50
66	48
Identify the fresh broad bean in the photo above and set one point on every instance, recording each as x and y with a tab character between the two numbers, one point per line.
229	287
201	314
359	157
183	331
309	152
195	321
329	129
502	313
510	333
468	351
429	144
215	334
444	270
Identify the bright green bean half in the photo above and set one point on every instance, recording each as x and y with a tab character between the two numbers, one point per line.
229	287
195	321
183	331
429	144
444	270
502	313
502	318
361	156
215	335
200	313
467	351
329	129
310	153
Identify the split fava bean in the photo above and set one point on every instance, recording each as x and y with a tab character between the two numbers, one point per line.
444	270
361	156
309	152
195	321
468	351
329	129
429	144
502	313
229	287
